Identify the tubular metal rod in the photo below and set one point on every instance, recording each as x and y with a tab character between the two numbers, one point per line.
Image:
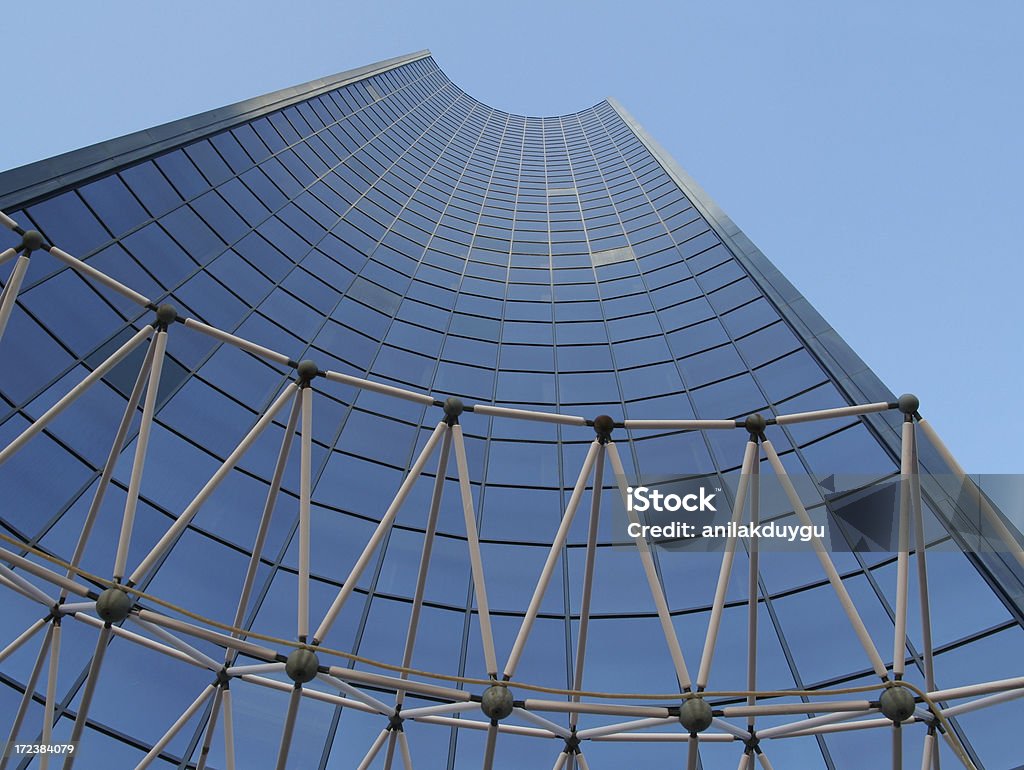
23	637
899	643
582	760
528	414
257	668
143	641
824	414
250	649
375	748
711	639
679	424
211	725
289	727
541	722
781	709
379	387
921	544
72	395
442	708
974	705
763	759
475	558
112	457
926	751
90	688
394	683
42	572
359	695
305	396
100	277
51	694
264	526
625	727
826	562
7	222
428	544
403	744
10	292
993	518
605	709
806	724
982	688
730	728
238	342
186	715
25	587
174	531
554	553
8	254
159	344
692	752
560	761
378	535
492	740
26	698
178	644
588	575
752	587
897	747
657	592
229	731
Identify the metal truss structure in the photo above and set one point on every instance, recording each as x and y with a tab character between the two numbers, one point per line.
691	712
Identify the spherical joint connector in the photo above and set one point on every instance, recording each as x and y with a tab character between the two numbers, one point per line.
909	403
32	240
897	703
166	315
302	666
453	407
113	605
695	715
755	424
603	427
306	370
497	702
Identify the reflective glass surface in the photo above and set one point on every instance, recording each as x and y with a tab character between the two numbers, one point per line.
397	229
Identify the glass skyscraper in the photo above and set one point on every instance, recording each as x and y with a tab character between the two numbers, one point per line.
442	263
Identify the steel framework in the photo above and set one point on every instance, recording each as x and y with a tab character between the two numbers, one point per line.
691	714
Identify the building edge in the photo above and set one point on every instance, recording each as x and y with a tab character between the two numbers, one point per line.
28	184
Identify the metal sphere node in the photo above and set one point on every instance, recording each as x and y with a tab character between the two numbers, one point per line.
695	715
307	369
113	605
604	425
496	702
166	314
302	666
909	403
755	423
897	703
32	240
453	406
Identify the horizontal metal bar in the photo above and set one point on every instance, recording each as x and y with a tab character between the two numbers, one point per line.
781	709
826	414
679	424
238	342
526	414
379	387
610	709
90	271
380	680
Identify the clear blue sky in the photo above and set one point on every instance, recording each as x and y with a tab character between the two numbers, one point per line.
873	150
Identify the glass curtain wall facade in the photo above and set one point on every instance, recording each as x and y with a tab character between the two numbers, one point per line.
391	227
